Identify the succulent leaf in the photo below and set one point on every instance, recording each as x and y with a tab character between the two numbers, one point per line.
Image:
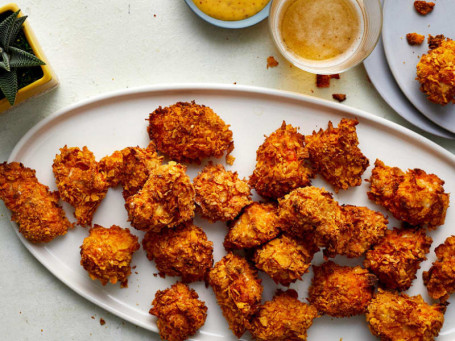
6	29
6	61
20	58
8	85
16	29
3	66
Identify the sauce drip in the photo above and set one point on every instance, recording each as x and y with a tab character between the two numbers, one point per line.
230	10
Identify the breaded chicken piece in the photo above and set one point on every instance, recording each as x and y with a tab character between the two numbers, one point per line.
130	167
436	73
182	251
393	316
362	228
107	252
238	290
282	163
220	194
34	208
423	7
188	132
341	291
415	197
257	224
397	257
335	154
286	259
165	201
284	318
179	311
440	279
80	182
311	209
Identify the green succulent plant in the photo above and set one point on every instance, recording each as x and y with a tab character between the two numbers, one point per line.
12	58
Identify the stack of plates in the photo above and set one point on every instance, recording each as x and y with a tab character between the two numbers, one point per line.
392	65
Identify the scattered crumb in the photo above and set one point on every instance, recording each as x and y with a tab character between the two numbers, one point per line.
93	317
339	97
154	15
134	267
435	41
136	272
235	83
230	160
312	91
41	330
423	7
102	322
335	76
154	275
323	81
271	62
415	38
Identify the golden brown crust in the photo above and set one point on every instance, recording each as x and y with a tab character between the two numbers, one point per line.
34	208
423	7
435	41
335	154
182	251
271	62
257	224
80	182
107	252
282	163
397	257
341	291
238	290
415	38
415	197
286	259
220	194
188	132
284	318
179	311
165	201
339	97
393	316
440	279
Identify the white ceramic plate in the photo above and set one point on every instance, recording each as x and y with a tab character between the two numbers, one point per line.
117	120
401	18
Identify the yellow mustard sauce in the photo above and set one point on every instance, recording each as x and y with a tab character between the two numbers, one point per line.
230	10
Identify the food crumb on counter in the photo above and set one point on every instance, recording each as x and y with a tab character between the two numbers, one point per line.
323	81
271	62
423	7
102	321
339	97
415	38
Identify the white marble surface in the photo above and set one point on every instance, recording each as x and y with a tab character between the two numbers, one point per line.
100	46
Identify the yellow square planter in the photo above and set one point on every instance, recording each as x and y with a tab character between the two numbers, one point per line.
46	83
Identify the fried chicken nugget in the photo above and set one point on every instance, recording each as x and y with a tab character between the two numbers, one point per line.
179	311
415	197
183	251
188	132
257	225
286	259
397	257
284	318
440	279
220	194
34	208
311	209
282	163
393	316
335	154
436	73
341	291
362	228
80	182
107	252
166	200
130	167
238	290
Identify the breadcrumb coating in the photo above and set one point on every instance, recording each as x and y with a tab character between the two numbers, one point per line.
415	38
286	259
436	73
282	163
107	252
165	201
188	132
397	257
238	290
34	208
362	228
80	182
415	197
183	251
220	194
423	7
435	41
392	316
257	224
179	311
341	291
284	318
311	209
335	154
440	279
130	167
